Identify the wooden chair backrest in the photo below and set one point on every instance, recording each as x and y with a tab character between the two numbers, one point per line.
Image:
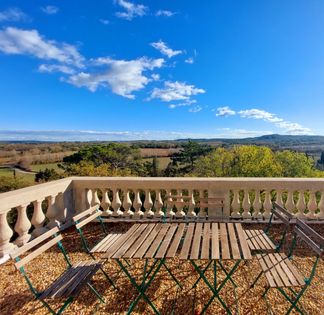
86	216
281	213
23	249
309	236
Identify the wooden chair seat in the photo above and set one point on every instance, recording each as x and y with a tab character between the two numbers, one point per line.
279	270
258	240
72	280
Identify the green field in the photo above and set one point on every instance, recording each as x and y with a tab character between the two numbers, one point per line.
6	172
163	162
41	167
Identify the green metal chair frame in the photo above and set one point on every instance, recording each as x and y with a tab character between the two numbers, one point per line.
92	213
20	262
307	235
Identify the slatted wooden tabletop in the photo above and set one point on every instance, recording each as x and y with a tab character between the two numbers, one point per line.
198	241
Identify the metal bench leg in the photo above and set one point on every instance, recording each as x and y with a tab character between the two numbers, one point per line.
230	279
96	292
196	283
172	275
293	301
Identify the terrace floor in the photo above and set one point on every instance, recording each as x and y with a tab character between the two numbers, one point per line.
16	298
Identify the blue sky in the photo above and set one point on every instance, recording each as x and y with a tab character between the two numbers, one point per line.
119	70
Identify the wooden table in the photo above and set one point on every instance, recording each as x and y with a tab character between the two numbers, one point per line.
209	241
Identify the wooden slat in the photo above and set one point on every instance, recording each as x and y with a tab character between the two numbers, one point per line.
157	242
112	249
252	241
255	236
20	250
280	216
38	251
288	272
243	243
206	242
187	242
111	242
84	213
142	250
165	244
224	242
215	242
293	269
279	270
233	241
122	250
273	271
308	230
132	250
196	241
266	270
176	241
283	210
99	245
88	219
270	244
308	241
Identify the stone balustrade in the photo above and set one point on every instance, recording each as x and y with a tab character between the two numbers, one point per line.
29	212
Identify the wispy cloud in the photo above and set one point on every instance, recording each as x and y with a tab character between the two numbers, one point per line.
166	13
123	76
104	21
224	111
259	114
190	60
50	9
175	91
195	109
131	10
17	41
51	68
13	15
165	50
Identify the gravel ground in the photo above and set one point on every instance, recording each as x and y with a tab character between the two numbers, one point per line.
16	298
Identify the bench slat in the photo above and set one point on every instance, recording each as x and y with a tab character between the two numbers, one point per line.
88	219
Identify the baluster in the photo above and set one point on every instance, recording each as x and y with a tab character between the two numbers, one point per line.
95	201
191	210
267	205
88	198
148	204
138	205
312	205
246	205
257	205
236	205
290	204
62	210
202	211
301	205
170	212
279	200
158	204
127	203
22	226
52	212
106	203
116	204
38	219
179	204
5	235
320	215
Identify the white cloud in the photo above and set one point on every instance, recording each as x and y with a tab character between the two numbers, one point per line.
50	9
164	49
29	42
132	10
55	68
155	77
224	111
13	15
195	109
186	103
259	114
123	77
104	21
189	60
175	91
166	13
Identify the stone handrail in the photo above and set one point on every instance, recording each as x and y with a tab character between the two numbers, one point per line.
136	198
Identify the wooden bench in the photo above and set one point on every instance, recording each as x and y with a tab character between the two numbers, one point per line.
259	240
69	284
280	271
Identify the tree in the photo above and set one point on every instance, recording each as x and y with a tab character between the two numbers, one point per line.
46	175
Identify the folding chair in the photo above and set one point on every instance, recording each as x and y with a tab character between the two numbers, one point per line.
261	241
101	246
282	274
69	284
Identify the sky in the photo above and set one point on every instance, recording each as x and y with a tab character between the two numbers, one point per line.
127	70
